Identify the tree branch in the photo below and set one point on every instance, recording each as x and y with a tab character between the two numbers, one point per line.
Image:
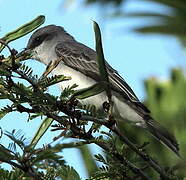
122	159
26	170
144	156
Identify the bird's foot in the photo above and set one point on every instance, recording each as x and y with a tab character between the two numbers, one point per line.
111	121
106	106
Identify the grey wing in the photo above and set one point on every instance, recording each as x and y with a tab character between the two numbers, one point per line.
83	59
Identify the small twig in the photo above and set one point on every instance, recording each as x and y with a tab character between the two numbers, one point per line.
90	138
21	109
132	167
18	57
5	44
26	170
26	78
145	157
93	119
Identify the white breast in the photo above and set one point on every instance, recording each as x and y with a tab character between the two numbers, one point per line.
82	81
77	78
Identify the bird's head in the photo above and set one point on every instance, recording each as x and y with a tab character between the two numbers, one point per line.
43	41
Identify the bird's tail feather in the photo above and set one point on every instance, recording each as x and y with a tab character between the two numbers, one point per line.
163	135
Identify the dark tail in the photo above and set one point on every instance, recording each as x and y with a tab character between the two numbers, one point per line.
163	135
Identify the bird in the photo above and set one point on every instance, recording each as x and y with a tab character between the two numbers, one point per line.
53	43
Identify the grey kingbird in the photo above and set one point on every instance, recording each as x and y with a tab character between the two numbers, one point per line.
51	43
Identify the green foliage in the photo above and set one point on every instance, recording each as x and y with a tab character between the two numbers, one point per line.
170	21
167	103
68	173
12	175
6	154
29	157
62	172
88	159
41	131
91	110
110	169
101	2
24	156
90	91
5	110
67	92
101	60
49	81
173	23
23	30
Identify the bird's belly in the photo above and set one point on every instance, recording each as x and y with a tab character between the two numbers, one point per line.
77	78
121	110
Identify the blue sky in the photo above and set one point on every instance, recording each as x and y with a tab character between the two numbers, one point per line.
135	56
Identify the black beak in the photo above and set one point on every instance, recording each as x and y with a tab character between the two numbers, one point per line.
27	53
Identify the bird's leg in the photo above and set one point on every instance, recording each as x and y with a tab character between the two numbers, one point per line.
108	107
1	58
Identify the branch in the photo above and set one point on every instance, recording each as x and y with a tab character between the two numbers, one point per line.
122	159
144	156
26	170
77	131
26	78
13	52
91	139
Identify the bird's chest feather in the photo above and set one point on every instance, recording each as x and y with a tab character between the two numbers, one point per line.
76	77
82	81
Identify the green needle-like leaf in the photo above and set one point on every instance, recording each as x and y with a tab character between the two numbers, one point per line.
88	159
5	154
69	173
49	81
179	4
101	59
90	91
23	30
40	132
5	110
171	29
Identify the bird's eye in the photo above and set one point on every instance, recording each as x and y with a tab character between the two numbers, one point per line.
38	41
